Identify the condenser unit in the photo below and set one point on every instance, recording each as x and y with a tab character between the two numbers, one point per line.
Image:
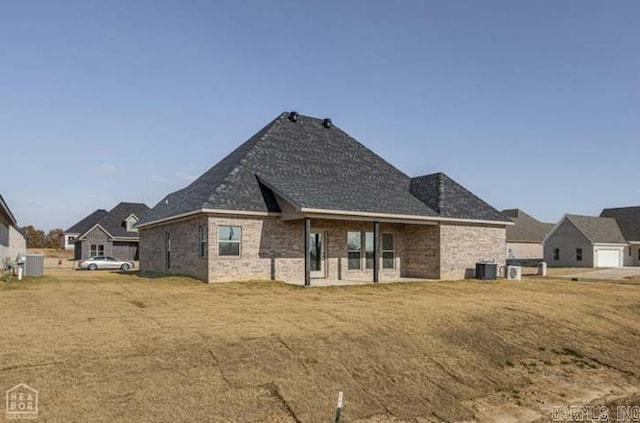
514	273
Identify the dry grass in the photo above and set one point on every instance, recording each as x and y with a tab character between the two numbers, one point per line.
117	347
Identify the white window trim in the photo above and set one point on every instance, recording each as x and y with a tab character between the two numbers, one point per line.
203	238
239	242
382	250
360	251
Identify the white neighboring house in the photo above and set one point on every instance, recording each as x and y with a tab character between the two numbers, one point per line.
585	241
12	240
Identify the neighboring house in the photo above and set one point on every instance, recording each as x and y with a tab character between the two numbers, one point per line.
302	200
525	237
585	241
12	239
79	228
111	233
628	219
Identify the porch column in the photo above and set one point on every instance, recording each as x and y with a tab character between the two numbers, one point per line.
307	252
376	252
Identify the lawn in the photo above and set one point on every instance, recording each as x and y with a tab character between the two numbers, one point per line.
101	346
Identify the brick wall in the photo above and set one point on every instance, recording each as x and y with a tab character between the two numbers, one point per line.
270	249
461	246
185	253
526	250
273	249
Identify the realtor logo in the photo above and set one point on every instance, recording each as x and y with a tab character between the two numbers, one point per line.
22	402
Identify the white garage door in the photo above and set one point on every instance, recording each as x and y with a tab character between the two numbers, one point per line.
608	258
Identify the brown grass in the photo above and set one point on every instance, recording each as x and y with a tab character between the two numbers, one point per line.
101	346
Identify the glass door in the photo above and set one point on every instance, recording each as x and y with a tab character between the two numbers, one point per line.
317	250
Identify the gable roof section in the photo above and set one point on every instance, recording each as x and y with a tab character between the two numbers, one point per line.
6	212
450	199
628	219
87	223
526	228
312	167
112	222
599	230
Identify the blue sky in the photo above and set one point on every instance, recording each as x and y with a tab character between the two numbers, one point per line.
530	104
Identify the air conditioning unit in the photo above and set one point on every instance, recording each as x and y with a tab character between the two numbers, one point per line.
514	273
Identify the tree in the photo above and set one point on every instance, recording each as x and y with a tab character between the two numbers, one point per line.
52	240
35	237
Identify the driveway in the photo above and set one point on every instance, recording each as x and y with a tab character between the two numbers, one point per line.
615	274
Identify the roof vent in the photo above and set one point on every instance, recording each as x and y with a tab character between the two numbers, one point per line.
293	116
326	123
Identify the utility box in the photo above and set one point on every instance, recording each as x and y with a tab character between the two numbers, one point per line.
31	264
542	269
486	271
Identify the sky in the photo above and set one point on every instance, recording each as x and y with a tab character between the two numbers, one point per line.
529	104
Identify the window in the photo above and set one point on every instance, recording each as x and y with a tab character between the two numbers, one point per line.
579	254
229	240
354	251
368	250
556	254
202	240
96	250
167	248
388	252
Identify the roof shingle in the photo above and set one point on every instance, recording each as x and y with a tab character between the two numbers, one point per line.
628	219
603	230
526	228
312	166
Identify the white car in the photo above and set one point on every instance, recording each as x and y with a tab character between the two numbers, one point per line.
105	262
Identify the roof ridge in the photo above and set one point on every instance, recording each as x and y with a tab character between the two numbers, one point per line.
241	160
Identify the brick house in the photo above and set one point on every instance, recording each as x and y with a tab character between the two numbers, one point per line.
302	201
12	239
108	233
525	237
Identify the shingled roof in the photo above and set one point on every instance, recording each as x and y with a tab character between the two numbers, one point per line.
450	199
87	223
311	164
4	209
526	228
112	221
628	219
602	230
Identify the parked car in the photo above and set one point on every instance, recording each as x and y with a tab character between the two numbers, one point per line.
105	262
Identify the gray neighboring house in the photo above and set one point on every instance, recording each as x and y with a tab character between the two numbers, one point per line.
69	236
111	233
12	239
302	201
585	241
525	237
628	219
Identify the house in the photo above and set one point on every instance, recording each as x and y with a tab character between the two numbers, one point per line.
524	238
301	200
12	239
111	233
585	241
79	228
628	219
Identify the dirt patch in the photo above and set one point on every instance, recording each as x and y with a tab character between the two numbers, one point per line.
128	348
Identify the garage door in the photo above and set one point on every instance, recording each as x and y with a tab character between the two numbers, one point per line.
608	258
